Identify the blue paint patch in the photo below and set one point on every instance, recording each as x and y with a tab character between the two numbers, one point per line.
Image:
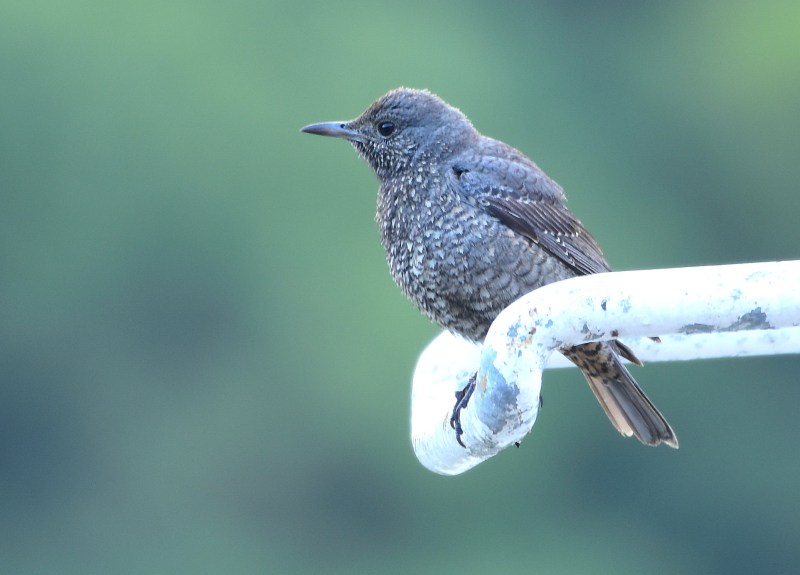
513	330
503	399
488	371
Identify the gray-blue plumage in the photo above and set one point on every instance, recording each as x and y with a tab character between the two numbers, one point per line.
469	224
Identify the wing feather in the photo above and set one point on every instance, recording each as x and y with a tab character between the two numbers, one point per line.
524	199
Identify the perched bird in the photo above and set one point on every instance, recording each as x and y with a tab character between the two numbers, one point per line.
469	224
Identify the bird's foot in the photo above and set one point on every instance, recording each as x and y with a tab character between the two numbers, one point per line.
462	399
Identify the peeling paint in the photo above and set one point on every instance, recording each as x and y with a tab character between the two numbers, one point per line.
589	334
691	328
755	319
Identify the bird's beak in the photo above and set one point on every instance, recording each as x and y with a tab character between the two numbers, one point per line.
334	129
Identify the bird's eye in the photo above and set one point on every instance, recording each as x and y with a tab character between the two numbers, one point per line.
386	129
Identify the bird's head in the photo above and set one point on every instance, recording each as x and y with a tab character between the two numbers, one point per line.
400	128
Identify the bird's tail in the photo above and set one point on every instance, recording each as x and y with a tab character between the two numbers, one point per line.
618	393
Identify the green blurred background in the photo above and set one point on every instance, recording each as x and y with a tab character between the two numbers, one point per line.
205	364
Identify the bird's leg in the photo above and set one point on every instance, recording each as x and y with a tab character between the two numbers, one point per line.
462	399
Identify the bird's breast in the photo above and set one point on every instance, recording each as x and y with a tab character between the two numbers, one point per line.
459	265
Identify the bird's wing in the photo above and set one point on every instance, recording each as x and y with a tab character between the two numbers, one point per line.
523	198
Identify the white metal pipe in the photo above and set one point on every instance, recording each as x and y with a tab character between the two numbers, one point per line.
701	312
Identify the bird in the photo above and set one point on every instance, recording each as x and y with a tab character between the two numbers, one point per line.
469	224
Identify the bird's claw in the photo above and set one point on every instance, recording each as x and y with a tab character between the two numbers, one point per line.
462	399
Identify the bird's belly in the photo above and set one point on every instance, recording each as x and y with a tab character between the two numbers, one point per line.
463	281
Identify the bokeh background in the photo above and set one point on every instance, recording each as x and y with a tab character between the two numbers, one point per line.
205	365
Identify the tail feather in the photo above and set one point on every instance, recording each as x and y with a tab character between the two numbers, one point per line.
622	399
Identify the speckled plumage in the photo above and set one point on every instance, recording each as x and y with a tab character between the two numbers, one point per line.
470	224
